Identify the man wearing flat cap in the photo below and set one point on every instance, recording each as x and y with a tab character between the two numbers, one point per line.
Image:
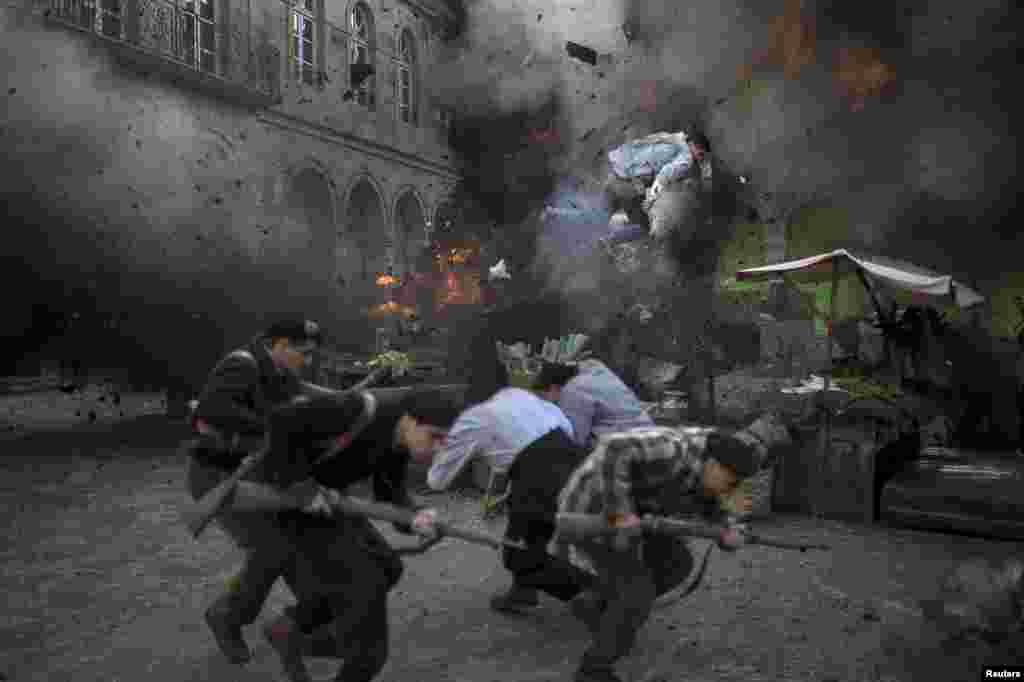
652	471
229	423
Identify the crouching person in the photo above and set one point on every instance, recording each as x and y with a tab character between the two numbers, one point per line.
651	471
530	438
343	567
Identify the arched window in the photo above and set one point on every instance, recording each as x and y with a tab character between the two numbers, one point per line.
405	83
362	81
303	39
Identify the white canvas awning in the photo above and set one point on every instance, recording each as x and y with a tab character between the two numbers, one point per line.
885	271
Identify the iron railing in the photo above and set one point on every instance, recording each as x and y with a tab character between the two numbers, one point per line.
184	35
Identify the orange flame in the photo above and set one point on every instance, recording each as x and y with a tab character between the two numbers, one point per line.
860	74
387	280
391	308
459	290
792	42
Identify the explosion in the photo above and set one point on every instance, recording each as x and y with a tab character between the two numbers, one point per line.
791	43
391	308
387	280
860	73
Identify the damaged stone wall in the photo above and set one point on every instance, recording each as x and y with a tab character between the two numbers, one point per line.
167	221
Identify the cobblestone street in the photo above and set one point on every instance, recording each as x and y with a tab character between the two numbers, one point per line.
102	584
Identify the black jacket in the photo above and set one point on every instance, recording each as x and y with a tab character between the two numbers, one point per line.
243	388
299	433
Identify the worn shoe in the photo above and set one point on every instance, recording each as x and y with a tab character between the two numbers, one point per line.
284	637
515	600
588	607
229	637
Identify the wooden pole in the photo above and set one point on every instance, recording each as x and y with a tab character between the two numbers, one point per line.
883	317
826	439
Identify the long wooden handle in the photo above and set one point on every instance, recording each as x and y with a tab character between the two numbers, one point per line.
199	515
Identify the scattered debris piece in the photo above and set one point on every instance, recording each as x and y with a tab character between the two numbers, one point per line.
11	91
582	53
499	271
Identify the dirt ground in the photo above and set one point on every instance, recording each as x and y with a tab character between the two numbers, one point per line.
103	584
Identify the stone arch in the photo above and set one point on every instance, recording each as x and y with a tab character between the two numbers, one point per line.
365	244
310	200
410	229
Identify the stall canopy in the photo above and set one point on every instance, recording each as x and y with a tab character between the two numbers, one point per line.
879	270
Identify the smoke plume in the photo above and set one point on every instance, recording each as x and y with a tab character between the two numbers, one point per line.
897	113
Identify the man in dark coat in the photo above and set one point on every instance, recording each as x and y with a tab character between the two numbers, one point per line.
343	567
229	422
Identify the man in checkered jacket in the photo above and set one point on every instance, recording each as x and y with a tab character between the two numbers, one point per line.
652	471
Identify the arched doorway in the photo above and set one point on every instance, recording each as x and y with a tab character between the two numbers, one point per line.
410	232
364	252
310	212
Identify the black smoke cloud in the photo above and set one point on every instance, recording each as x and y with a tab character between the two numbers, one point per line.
81	298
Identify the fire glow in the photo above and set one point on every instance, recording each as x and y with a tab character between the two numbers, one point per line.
458	256
860	74
387	280
391	308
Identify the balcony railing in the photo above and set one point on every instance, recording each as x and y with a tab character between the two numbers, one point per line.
183	40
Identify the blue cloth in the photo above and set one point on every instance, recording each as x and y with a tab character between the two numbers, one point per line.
663	155
498	429
631	232
635	159
598	402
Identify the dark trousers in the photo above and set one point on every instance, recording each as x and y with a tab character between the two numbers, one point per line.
628	582
268	546
536	478
627	588
344	569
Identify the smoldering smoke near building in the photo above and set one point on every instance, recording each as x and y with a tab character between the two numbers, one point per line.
169	213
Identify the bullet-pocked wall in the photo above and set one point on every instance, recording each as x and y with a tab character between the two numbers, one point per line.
178	172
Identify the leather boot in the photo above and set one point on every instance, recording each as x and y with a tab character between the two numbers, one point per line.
228	635
285	638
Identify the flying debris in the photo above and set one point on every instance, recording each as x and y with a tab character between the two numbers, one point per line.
582	53
499	271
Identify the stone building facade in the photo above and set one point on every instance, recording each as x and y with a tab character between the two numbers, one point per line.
231	157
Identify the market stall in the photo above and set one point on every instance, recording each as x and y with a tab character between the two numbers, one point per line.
820	467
